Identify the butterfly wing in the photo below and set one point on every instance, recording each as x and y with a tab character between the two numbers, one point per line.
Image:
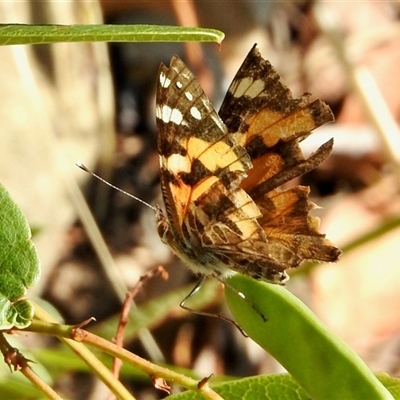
271	123
193	142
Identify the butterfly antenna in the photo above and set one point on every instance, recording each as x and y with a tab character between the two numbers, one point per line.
84	168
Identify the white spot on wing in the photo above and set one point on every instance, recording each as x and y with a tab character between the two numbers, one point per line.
176	116
164	81
179	85
159	111
177	163
168	114
189	96
249	87
256	88
194	111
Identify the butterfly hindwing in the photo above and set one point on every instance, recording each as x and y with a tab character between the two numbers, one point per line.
271	122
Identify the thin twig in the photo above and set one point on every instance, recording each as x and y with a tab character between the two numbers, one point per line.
126	307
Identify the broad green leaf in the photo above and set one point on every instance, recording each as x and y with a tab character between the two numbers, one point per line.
19	265
44	34
272	387
320	362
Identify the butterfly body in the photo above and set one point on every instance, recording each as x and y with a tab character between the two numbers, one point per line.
221	173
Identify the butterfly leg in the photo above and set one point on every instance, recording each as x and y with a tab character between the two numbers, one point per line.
198	286
241	295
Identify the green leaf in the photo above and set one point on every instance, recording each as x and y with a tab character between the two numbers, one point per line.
274	387
44	34
322	363
19	265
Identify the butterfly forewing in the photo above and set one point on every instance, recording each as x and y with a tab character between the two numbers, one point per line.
201	164
190	135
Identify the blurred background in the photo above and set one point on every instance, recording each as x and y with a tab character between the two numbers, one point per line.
95	103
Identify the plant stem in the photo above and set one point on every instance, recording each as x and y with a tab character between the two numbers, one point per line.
75	338
47	324
13	358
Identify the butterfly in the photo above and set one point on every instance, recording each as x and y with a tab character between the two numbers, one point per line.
221	173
